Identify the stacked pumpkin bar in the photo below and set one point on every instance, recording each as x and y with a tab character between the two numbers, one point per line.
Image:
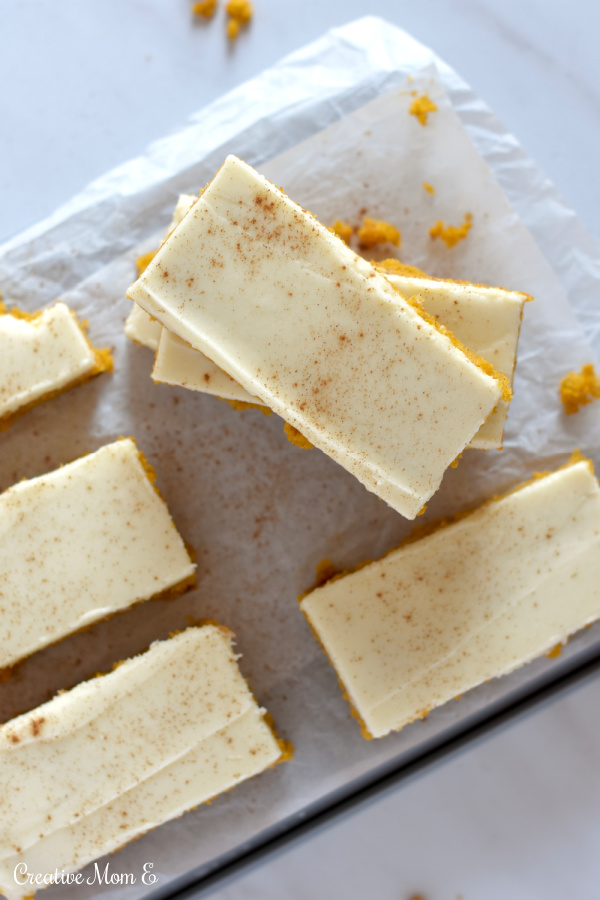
309	329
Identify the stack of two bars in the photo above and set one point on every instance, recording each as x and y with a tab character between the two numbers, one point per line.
282	313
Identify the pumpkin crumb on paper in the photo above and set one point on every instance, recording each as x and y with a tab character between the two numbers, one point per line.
428	187
343	230
375	231
296	437
579	388
142	262
451	234
421	107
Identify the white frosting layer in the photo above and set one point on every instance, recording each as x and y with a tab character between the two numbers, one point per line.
140	327
80	543
118	755
179	364
486	320
41	355
302	322
470	602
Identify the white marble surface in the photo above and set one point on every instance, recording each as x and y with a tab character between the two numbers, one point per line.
86	85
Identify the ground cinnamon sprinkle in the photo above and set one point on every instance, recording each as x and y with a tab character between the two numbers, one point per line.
450	234
375	231
421	107
579	388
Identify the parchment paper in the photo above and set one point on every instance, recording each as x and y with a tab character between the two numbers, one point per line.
259	512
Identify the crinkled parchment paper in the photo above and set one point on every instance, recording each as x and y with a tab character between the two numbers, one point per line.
331	124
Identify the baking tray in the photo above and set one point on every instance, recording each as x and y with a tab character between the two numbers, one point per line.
259	512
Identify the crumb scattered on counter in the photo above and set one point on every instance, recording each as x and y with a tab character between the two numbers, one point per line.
428	187
421	107
450	234
375	231
579	388
205	8
343	230
239	13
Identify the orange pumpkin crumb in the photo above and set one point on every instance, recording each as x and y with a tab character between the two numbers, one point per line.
428	187
579	388
296	437
375	231
325	570
205	8
343	230
450	234
142	262
240	12
399	268
421	107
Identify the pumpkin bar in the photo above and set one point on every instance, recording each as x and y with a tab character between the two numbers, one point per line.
469	602
288	311
487	320
99	765
80	543
139	326
41	355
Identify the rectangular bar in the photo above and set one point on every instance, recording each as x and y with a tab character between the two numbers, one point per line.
80	543
41	355
487	320
101	764
470	602
293	315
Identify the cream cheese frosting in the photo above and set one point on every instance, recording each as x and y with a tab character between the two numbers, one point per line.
139	326
469	602
487	320
101	764
288	311
41	355
81	543
178	364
